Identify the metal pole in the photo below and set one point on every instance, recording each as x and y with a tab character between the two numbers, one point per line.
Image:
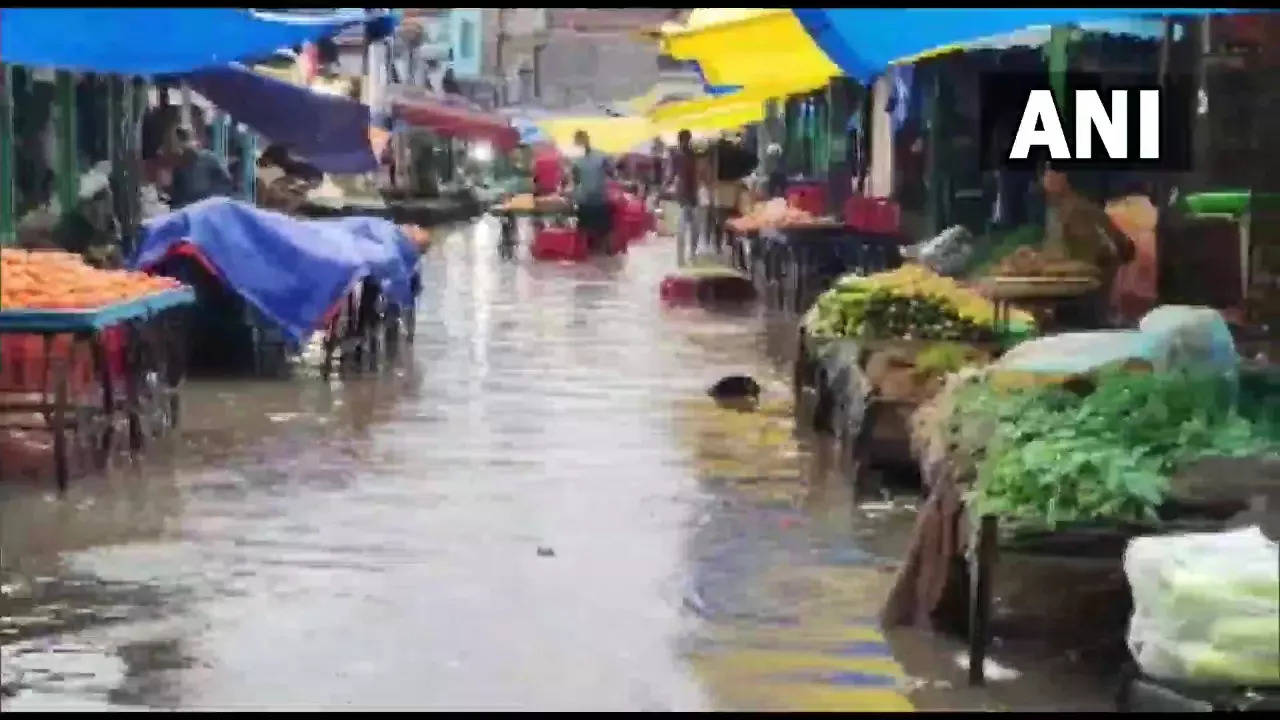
67	175
8	220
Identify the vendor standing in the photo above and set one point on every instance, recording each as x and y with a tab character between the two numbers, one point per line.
196	173
1077	229
591	172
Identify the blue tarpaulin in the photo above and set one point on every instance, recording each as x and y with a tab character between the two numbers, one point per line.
331	132
153	41
864	41
292	271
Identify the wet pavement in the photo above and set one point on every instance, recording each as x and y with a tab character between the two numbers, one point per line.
537	508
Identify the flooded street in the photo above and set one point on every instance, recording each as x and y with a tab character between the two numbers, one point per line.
539	509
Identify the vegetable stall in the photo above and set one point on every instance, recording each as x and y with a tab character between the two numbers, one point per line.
795	254
873	348
1070	446
82	352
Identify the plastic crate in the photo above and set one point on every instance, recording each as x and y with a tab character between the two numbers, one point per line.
810	197
559	244
875	215
678	290
24	360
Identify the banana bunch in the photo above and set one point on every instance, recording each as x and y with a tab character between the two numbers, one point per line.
911	302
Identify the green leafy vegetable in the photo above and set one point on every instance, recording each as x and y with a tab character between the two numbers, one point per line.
1049	456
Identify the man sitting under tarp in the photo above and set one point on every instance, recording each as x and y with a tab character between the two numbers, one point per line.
91	228
195	173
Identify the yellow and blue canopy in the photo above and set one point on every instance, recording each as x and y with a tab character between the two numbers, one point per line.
865	41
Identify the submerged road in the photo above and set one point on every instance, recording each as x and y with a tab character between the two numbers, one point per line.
538	508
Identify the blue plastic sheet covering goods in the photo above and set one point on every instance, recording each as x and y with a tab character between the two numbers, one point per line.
152	41
329	131
864	41
291	271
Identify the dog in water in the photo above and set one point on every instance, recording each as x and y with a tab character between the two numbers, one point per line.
736	392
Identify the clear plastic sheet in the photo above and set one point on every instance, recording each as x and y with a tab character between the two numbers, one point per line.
1206	607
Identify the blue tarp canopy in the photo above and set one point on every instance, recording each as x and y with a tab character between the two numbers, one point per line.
864	41
292	271
329	131
153	41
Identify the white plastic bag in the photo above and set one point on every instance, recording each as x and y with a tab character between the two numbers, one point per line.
946	253
1206	607
1195	338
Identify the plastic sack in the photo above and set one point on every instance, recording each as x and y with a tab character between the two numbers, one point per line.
1172	337
1079	353
947	253
1193	338
1197	618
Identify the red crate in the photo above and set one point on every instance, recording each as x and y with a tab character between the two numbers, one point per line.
559	244
873	214
23	364
810	197
678	290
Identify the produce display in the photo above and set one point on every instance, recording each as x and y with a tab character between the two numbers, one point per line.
1049	455
911	302
524	202
50	280
775	213
530	203
1199	619
1027	262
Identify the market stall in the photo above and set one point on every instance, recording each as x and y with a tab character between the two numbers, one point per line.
83	351
1069	447
266	282
875	347
796	254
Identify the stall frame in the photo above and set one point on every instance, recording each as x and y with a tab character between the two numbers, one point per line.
153	331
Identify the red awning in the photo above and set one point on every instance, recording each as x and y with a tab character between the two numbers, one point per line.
452	117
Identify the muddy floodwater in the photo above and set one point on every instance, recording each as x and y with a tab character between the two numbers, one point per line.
536	508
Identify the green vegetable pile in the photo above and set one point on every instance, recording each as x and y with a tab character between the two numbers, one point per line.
1048	455
910	303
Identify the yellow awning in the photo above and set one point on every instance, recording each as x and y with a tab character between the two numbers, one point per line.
642	104
613	135
701	116
750	46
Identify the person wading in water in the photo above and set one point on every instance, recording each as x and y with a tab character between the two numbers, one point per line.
590	173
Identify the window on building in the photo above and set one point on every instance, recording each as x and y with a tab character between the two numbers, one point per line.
467	39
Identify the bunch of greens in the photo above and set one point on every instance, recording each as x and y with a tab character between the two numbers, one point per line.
1053	456
999	245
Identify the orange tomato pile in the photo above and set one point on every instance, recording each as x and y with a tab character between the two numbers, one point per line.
50	280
